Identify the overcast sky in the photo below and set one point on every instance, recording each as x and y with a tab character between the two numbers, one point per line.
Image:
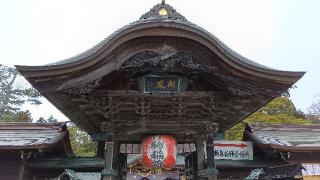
280	34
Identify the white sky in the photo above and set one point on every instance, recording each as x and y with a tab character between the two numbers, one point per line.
280	34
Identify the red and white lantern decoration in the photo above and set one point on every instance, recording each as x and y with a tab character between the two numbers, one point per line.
158	151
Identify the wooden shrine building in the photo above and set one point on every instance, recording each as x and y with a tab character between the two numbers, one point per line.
287	145
158	75
20	142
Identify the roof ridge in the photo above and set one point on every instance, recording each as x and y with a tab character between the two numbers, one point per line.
163	11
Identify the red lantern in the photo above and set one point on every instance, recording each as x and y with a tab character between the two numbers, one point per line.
158	151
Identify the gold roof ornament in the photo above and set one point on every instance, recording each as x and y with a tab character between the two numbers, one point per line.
163	12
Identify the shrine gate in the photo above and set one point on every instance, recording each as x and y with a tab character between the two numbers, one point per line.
160	75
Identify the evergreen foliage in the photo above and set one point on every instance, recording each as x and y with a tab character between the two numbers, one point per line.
81	142
19	116
279	111
13	94
314	112
50	119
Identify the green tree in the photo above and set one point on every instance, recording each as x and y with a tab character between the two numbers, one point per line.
41	120
13	94
50	119
81	142
279	111
20	116
314	112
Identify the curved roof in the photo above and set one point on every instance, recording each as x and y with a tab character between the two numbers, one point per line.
150	17
83	73
154	19
104	42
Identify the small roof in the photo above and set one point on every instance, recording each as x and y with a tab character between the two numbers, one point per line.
31	135
276	172
283	171
285	137
72	175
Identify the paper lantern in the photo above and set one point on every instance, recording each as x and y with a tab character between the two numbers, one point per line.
158	151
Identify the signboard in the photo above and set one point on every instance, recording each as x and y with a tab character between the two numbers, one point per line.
161	84
233	150
311	169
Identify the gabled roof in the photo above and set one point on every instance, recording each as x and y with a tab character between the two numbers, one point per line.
28	136
285	137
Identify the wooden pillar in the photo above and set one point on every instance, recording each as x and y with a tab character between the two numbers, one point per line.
116	154
21	166
21	171
206	146
108	173
200	143
210	158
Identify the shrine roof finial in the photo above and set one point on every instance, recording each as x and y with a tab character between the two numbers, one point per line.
163	11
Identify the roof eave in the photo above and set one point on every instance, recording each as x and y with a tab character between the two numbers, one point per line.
52	144
235	60
275	147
